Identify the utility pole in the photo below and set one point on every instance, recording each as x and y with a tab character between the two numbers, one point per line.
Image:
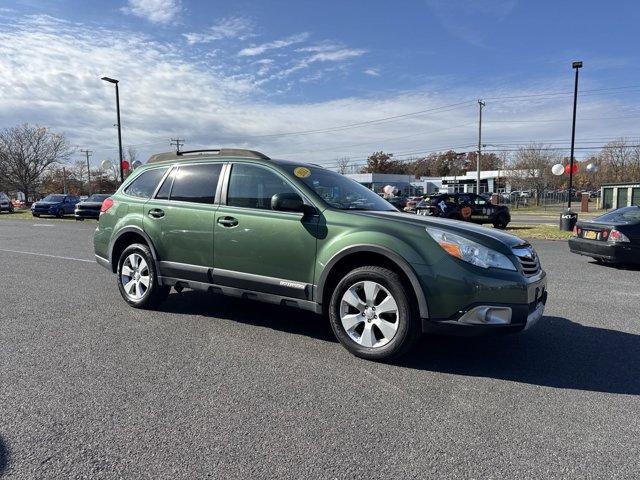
577	66
178	142
480	106
64	180
88	154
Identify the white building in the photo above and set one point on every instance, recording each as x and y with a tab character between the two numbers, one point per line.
406	185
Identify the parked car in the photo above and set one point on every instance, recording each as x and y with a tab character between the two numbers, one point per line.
57	205
465	206
610	238
412	203
5	203
90	208
238	223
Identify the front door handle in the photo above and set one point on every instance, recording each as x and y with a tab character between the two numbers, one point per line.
156	213
228	222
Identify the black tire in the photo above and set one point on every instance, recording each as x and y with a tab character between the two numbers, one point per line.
60	213
408	330
155	294
500	221
36	214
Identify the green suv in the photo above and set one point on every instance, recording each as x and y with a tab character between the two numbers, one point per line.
238	223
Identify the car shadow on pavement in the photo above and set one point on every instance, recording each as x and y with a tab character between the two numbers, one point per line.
4	456
618	266
250	312
555	353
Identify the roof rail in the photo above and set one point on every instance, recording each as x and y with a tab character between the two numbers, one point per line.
221	152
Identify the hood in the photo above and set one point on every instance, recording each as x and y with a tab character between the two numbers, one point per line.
490	237
46	204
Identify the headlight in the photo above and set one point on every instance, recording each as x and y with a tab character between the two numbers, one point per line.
470	251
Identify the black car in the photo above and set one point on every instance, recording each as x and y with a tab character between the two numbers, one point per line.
610	238
57	205
465	206
90	208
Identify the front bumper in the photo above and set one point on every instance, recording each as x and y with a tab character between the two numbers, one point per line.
491	316
622	252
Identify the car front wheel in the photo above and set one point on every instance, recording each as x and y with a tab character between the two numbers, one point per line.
501	221
371	315
137	278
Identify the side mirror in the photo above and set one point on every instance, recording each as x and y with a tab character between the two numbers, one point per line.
287	202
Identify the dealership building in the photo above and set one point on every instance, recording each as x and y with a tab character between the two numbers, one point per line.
406	185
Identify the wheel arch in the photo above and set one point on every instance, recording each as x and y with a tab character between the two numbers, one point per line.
127	236
353	256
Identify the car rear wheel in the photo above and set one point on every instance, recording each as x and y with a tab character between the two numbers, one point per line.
60	213
371	315
501	221
137	278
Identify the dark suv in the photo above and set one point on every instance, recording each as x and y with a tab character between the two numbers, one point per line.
465	206
238	223
57	205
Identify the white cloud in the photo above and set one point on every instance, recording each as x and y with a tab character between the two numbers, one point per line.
373	72
156	11
227	28
51	76
276	44
336	56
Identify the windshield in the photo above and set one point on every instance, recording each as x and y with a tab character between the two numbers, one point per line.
97	197
53	198
339	191
626	214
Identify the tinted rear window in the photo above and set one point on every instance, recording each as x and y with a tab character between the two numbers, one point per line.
196	183
146	183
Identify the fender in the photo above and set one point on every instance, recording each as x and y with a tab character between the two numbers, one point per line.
391	255
140	232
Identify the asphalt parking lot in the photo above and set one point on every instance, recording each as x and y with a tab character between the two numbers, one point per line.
210	386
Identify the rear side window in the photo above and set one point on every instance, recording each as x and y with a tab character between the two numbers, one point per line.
252	186
146	183
196	183
165	189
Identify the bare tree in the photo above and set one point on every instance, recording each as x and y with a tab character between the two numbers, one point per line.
132	153
26	152
343	164
532	169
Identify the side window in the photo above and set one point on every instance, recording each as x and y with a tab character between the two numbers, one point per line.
165	189
196	183
146	183
252	186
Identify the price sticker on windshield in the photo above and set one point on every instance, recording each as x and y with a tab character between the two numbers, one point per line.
302	172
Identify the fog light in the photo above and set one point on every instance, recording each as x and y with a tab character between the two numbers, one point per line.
487	315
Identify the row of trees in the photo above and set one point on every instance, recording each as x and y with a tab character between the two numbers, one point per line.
528	168
36	161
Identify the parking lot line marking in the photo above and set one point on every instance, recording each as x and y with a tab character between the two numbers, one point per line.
47	255
42	225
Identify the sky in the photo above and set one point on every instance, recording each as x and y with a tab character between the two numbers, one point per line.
317	81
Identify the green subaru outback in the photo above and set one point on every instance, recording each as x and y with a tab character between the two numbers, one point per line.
238	223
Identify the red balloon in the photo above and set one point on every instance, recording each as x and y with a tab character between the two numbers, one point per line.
568	167
125	165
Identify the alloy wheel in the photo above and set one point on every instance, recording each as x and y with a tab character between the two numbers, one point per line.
135	276
369	314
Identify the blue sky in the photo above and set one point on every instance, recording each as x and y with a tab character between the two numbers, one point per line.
244	72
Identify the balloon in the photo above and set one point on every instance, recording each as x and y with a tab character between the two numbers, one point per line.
592	168
568	167
105	165
136	164
125	165
557	169
389	189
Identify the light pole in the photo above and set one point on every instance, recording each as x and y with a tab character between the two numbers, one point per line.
115	82
569	219
480	105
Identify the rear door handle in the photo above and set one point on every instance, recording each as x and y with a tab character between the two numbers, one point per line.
228	222
156	213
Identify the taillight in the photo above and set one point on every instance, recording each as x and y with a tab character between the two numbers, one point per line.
616	236
107	204
577	231
604	234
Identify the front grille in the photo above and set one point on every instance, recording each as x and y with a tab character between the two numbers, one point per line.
528	259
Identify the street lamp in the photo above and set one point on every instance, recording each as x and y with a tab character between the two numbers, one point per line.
115	82
569	219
